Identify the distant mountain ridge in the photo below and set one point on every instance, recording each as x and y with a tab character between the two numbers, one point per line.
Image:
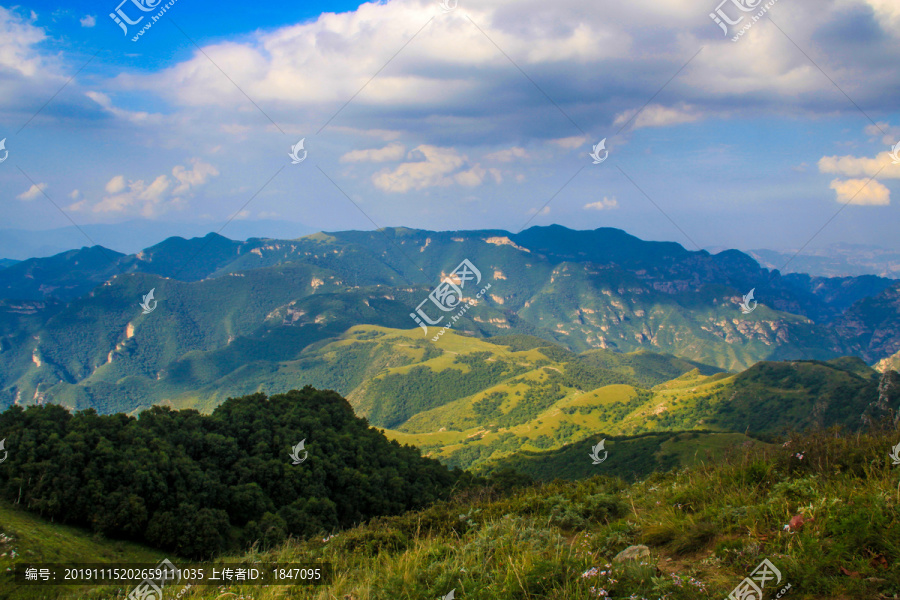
837	260
235	316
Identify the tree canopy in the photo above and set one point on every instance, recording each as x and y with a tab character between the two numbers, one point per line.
200	484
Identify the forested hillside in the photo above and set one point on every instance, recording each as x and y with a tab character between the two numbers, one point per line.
198	485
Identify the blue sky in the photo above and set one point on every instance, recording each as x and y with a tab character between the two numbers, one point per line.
469	118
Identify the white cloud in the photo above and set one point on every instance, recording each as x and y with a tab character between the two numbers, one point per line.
507	155
887	12
195	177
852	166
570	142
605	204
33	192
17	38
889	135
135	195
88	21
436	168
77	206
391	152
656	115
116	184
158	197
137	117
855	191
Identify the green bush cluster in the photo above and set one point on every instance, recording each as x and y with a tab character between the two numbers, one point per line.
198	485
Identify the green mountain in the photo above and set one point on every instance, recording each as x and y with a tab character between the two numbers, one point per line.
556	398
64	276
239	317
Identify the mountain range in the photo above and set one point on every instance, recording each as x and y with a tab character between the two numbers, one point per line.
334	310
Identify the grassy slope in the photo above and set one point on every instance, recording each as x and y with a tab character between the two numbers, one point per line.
36	540
707	528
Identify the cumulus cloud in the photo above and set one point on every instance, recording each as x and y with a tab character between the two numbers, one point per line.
116	184
852	166
887	12
188	179
391	152
435	167
88	21
855	191
32	192
605	204
146	199
152	199
18	36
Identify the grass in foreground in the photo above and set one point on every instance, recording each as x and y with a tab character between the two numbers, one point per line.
707	527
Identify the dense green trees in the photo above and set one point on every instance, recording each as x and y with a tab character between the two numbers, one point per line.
198	485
